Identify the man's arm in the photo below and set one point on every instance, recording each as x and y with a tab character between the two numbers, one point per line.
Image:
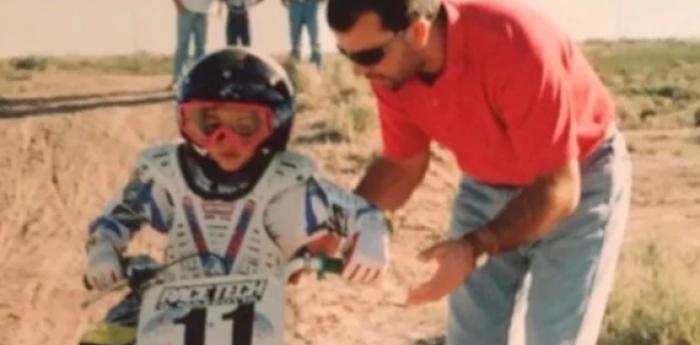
179	6
532	213
220	7
390	180
389	183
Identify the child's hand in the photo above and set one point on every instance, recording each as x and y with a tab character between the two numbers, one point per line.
104	264
368	254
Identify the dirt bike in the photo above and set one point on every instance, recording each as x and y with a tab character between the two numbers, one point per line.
219	310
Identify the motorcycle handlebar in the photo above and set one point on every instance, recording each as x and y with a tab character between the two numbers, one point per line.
138	277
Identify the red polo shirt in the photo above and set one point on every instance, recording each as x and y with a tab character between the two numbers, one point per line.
516	99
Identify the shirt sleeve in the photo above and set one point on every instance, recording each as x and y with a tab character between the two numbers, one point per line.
318	216
401	137
532	95
293	216
142	201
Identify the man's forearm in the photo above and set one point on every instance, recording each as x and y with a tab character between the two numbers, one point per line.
389	185
534	212
529	216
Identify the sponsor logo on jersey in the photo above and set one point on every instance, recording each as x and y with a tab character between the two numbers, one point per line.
205	295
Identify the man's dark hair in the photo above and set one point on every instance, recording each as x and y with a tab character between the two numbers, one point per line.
395	15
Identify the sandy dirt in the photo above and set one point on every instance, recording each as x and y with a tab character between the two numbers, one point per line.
67	143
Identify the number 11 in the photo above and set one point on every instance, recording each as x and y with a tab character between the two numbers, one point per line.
195	322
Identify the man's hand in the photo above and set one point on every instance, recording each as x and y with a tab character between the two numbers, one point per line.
455	259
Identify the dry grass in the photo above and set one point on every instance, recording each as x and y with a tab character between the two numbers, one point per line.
656	83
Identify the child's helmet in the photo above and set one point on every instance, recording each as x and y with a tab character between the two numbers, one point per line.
237	77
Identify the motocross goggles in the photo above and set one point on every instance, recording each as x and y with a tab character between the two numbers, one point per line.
230	123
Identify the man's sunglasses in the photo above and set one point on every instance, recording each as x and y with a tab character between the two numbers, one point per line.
369	56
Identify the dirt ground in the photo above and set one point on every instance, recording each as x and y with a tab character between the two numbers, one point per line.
67	143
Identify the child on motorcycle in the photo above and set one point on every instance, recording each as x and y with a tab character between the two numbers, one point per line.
230	192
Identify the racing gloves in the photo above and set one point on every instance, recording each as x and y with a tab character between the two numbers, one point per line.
367	252
104	264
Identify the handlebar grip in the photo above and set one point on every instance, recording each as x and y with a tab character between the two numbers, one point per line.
332	265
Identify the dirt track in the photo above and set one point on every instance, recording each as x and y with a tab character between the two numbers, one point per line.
62	155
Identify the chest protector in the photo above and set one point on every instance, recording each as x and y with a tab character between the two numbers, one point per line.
225	237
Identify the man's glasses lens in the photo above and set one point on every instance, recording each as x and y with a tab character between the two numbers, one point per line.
365	57
369	56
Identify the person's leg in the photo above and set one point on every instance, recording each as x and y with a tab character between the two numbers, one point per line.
118	327
200	35
295	23
573	266
480	310
239	21
311	20
185	23
245	30
230	29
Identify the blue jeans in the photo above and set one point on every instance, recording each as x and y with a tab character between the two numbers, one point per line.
304	12
552	291
237	29
189	25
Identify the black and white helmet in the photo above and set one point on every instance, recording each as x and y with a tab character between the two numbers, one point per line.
238	77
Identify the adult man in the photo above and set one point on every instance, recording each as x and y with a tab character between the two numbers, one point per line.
191	22
545	197
304	13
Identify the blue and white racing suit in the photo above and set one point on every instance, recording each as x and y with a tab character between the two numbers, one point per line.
287	209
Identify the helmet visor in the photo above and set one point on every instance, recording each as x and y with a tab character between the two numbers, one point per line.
238	124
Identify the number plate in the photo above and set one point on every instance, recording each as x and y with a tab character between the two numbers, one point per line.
226	310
